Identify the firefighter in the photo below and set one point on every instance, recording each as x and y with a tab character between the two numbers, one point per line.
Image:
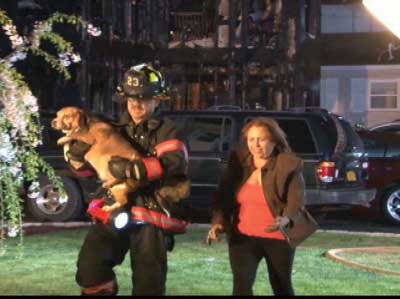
156	207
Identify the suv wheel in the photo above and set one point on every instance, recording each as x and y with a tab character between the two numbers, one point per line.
391	205
47	204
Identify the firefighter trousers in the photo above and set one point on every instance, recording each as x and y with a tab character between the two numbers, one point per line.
104	248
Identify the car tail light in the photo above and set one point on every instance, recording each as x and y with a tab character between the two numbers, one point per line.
326	172
365	170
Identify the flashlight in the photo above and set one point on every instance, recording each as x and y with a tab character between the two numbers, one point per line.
118	218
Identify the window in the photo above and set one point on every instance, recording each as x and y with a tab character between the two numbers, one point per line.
348	19
389	129
49	135
393	150
227	135
336	18
383	95
298	135
374	148
208	134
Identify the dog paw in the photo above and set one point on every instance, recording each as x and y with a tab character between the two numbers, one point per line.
109	184
111	208
63	140
107	209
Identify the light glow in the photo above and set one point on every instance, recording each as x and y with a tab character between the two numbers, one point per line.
121	220
387	12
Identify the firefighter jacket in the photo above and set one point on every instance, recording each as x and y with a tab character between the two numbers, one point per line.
162	170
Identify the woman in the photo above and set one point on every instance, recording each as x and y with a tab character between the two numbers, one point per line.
261	191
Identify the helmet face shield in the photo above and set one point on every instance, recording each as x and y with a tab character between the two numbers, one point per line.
140	82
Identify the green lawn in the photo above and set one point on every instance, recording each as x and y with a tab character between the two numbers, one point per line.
48	267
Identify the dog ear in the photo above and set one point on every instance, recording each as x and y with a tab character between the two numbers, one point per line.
63	116
78	120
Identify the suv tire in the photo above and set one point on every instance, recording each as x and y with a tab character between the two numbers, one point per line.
391	205
47	205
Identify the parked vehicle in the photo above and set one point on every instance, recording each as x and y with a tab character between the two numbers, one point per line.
47	204
333	156
383	150
332	153
389	127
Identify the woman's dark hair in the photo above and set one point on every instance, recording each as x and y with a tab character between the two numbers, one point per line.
277	134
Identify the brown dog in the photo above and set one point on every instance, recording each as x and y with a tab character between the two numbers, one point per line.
105	143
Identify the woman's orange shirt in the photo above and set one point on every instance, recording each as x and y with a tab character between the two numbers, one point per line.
254	213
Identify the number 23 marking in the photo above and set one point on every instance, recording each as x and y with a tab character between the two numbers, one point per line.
133	81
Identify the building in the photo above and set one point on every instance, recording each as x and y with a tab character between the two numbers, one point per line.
211	57
360	64
210	54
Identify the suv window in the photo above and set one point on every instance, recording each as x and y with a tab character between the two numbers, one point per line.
353	140
49	135
227	134
298	134
207	134
329	127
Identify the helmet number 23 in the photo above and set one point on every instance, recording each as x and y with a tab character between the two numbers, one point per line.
133	81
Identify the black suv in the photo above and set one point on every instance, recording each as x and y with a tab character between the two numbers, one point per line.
333	154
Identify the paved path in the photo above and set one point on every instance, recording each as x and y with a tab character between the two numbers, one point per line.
335	255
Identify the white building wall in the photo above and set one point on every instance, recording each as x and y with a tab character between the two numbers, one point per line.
345	91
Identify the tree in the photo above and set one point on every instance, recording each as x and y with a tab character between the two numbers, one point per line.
20	129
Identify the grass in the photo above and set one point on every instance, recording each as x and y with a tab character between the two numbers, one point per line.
48	267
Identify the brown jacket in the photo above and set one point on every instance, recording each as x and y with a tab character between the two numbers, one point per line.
282	182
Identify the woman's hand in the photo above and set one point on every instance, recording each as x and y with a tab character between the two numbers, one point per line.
280	222
215	230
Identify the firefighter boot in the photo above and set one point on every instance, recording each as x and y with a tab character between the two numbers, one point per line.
109	288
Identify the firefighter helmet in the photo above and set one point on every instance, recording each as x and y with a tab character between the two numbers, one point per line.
141	81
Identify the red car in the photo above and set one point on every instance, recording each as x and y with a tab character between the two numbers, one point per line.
383	151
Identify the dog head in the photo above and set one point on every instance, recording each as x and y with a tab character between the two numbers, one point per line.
70	119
